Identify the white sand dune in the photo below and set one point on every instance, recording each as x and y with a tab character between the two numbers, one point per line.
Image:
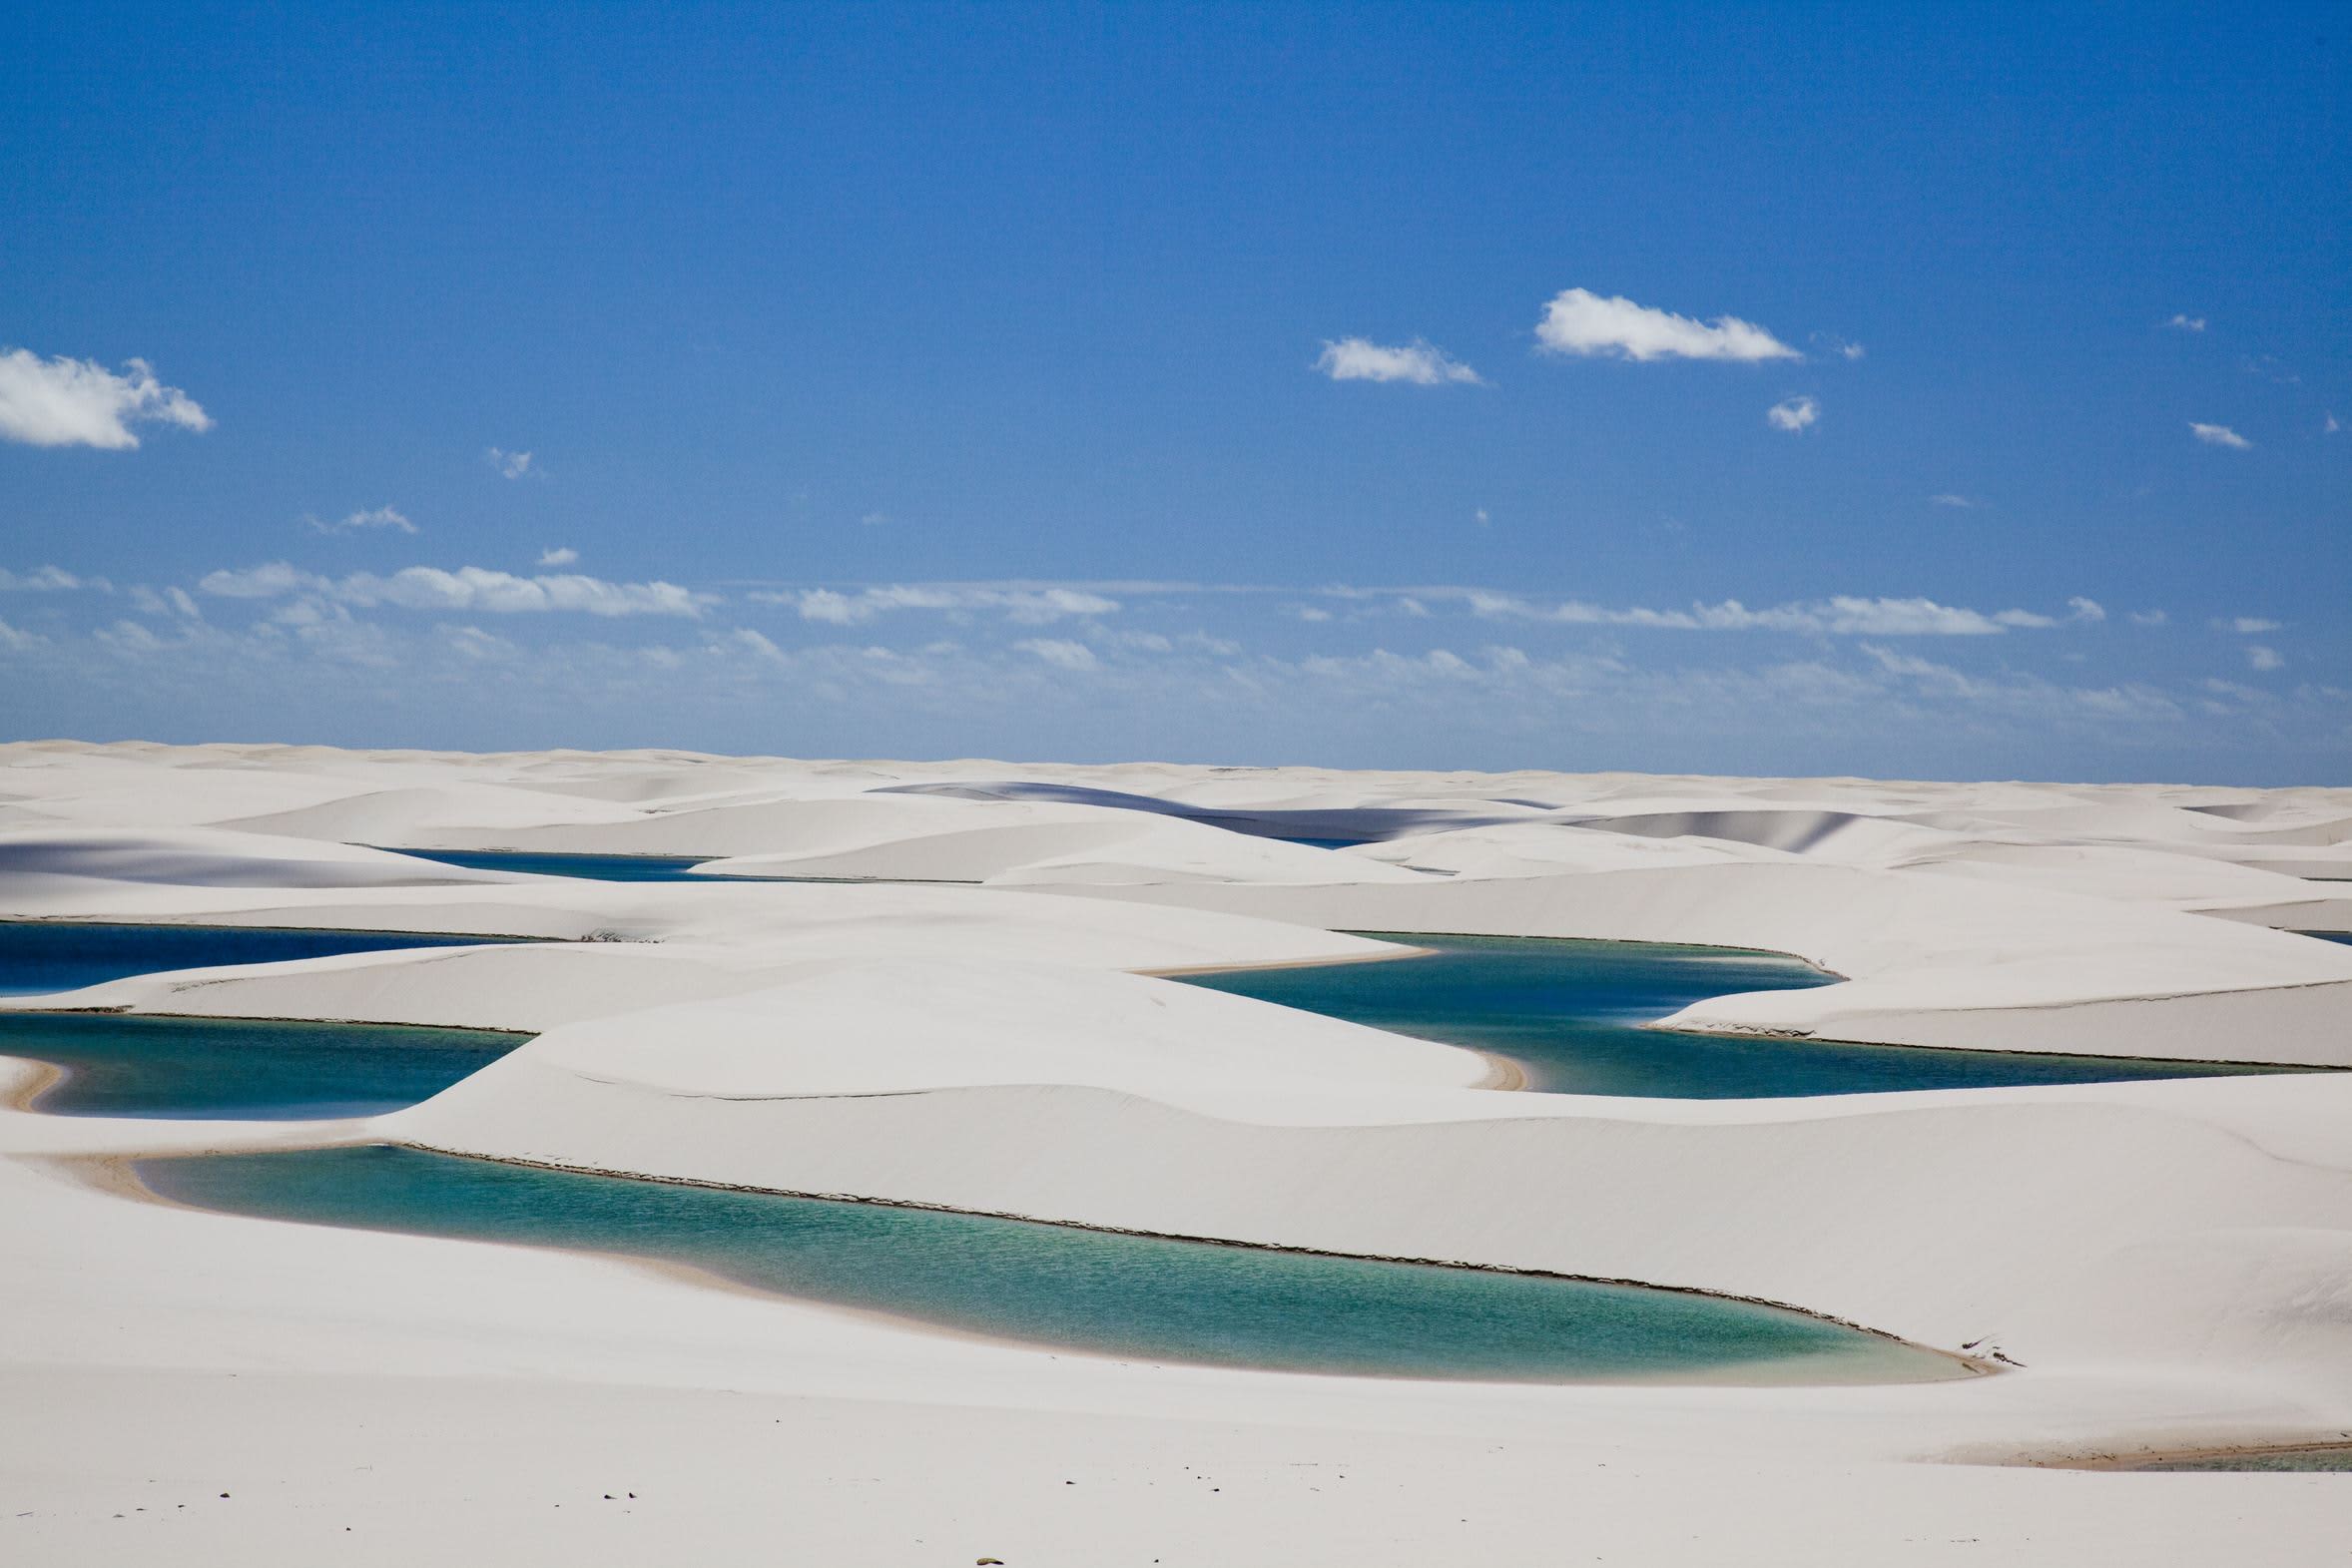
2172	1261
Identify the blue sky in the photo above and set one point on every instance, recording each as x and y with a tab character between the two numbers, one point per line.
1911	391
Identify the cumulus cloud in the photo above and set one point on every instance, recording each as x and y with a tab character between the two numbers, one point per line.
80	402
469	589
2219	435
2262	658
1060	653
561	556
1840	615
2089	609
1580	321
1022	604
2187	324
511	465
1793	414
373	517
1418	362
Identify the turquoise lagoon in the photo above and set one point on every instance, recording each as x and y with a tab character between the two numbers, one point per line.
1569	1015
127	1064
1129	1297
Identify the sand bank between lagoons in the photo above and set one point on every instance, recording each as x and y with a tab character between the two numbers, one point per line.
2169	1260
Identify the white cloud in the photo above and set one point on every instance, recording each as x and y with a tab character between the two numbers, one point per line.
1024	605
1578	321
1418	362
755	642
2262	658
171	601
1484	520
2245	624
562	556
471	642
1961	502
1793	414
2148	618
2219	435
80	402
2333	425
469	589
873	520
1310	613
1841	615
16	640
2087	609
373	517
2185	323
511	465
1060	653
50	580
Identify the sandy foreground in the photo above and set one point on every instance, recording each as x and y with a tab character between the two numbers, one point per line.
2170	1262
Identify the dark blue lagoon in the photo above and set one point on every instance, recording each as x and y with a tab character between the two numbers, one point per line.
40	956
594	867
119	1064
1131	1296
1570	1015
601	867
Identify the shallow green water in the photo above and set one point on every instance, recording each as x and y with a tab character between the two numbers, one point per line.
208	1069
1130	1297
2306	1460
1569	1013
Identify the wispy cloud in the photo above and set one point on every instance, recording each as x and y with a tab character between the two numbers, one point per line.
561	556
1419	363
2219	435
373	517
2185	323
1026	606
168	601
1840	615
469	589
511	465
2245	624
2262	658
2089	611
1578	321
2149	617
1060	653
80	402
1961	502
1793	414
50	580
